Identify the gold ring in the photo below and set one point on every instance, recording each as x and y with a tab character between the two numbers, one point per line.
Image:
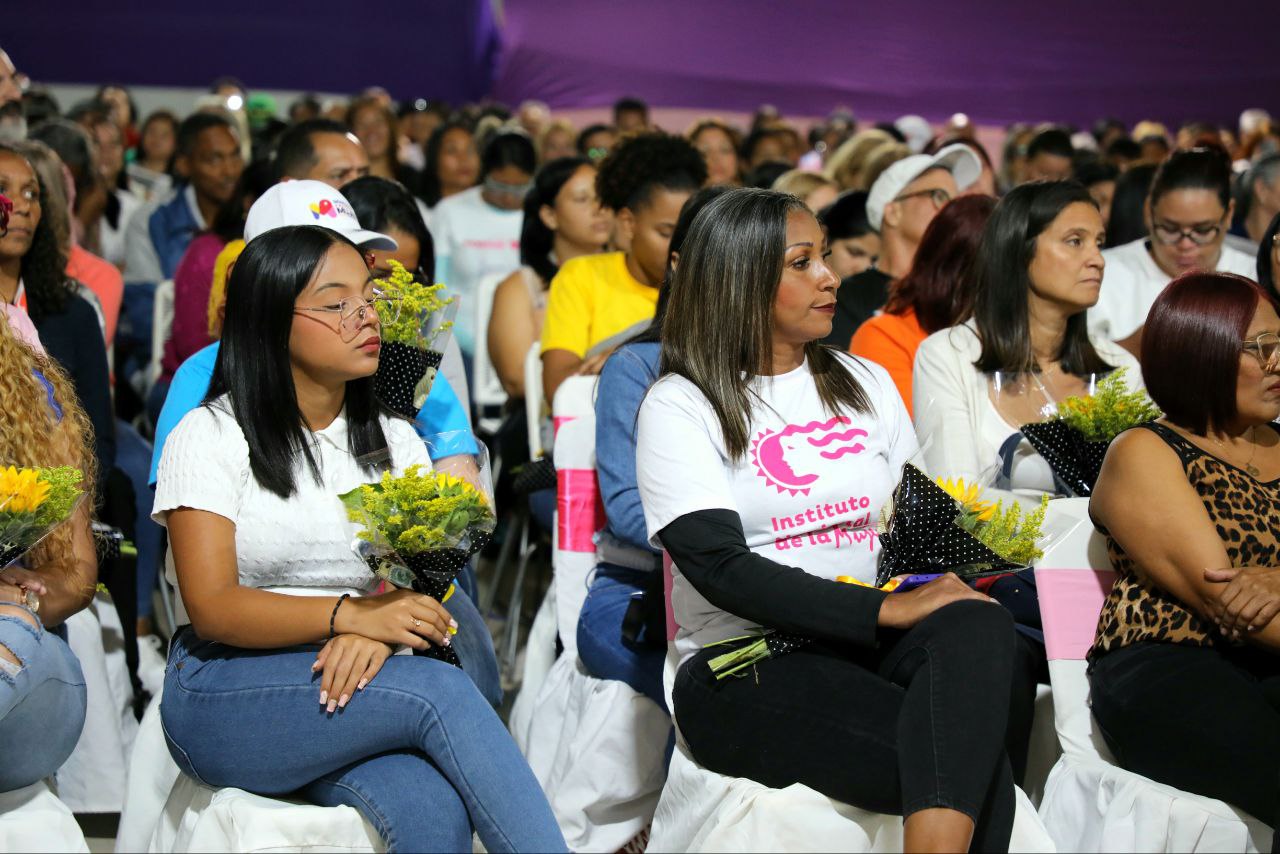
417	622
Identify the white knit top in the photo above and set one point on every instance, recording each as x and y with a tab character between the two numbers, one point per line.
299	545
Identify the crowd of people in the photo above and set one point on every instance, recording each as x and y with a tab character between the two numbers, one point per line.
894	288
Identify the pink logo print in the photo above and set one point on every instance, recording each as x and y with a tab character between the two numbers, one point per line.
790	460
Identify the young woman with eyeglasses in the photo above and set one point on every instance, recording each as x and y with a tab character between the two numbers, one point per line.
1185	669
284	677
1188	212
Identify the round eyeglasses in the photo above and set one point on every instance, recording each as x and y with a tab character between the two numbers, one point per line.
354	311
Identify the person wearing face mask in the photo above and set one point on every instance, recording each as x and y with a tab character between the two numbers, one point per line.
901	204
898	704
597	301
1188	211
1185	669
477	231
320	150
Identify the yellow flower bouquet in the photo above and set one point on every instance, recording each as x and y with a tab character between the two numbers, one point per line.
1074	442
34	501
415	328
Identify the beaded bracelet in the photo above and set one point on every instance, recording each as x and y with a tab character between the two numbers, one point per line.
334	615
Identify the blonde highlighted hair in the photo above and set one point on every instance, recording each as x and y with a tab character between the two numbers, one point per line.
32	434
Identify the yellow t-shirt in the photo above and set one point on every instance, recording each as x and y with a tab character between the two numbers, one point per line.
592	299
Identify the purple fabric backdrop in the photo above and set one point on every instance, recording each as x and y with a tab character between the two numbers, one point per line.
425	48
998	61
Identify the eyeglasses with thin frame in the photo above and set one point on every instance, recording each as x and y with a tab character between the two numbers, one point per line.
938	196
1266	349
354	311
1201	235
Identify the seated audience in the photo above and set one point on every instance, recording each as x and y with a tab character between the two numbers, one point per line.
631	115
1026	346
719	143
845	165
1259	202
1188	637
559	139
1049	155
630	567
42	688
881	158
272	624
596	141
597	301
864	714
452	162
374	124
852	242
320	150
936	294
1269	260
900	206
812	188
1128	220
985	185
151	172
1188	211
477	231
563	219
119	203
1099	178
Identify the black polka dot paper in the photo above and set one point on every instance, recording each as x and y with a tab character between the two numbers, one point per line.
400	370
1074	460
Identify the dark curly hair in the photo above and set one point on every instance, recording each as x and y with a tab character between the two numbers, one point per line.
638	164
43	269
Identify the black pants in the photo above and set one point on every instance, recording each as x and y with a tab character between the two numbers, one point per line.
1201	719
917	723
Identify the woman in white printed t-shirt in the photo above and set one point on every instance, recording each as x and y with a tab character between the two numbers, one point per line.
1188	211
763	461
285	680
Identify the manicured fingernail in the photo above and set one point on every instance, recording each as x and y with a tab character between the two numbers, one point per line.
453	624
324	697
453	630
315	667
333	704
447	640
342	702
363	682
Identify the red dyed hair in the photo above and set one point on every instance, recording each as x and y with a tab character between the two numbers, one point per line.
1191	347
939	286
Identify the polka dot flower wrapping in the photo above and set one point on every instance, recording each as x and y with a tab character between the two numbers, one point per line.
415	329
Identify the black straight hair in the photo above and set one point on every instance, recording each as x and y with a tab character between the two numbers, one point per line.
253	367
1194	169
1002	280
1128	218
509	148
430	189
536	240
380	204
846	216
1266	270
295	153
1053	141
197	123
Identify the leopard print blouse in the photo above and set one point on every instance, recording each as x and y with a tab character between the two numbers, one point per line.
1246	513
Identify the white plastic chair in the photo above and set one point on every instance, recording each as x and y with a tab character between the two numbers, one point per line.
595	745
161	325
487	394
535	408
33	819
1090	803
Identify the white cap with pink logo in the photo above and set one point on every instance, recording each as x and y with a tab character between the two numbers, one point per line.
310	203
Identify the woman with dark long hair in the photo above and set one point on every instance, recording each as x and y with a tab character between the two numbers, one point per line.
937	293
761	455
1269	259
278	611
1026	345
452	162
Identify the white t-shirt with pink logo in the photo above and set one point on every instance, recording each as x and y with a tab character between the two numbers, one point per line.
809	491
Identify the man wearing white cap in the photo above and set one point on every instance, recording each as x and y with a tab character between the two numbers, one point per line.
901	204
442	422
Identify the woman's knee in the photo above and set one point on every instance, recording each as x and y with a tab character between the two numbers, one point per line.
972	627
25	621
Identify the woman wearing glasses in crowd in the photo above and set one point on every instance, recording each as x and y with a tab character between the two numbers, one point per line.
1185	670
1188	211
284	678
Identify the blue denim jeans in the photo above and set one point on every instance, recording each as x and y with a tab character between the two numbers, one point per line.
418	752
42	703
473	643
601	647
133	457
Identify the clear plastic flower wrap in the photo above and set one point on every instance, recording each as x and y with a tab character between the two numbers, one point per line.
415	329
34	501
419	529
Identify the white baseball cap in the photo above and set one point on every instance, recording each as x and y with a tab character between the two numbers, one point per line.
309	203
959	159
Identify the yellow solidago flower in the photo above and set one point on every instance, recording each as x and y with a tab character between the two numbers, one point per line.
969	496
21	490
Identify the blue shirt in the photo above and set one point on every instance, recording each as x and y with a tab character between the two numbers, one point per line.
442	422
624	381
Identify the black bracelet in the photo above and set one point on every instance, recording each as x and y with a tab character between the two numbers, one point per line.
334	615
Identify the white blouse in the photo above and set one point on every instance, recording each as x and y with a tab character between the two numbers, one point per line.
299	545
960	429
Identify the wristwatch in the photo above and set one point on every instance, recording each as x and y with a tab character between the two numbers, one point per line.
31	599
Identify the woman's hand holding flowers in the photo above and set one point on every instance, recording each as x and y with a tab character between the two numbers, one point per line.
904	610
399	616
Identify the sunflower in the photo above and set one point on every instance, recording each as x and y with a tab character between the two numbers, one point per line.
21	490
970	497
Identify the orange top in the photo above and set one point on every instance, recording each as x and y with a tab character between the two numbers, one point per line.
890	340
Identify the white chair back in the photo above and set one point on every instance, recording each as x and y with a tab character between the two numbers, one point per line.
487	394
161	326
1072	580
535	406
579	511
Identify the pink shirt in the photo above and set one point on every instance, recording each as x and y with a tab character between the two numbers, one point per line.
22	327
192	282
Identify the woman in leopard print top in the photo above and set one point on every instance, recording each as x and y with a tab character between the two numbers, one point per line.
1185	670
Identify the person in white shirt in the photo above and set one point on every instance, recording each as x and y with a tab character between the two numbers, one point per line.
1026	347
477	231
1188	212
763	460
279	611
